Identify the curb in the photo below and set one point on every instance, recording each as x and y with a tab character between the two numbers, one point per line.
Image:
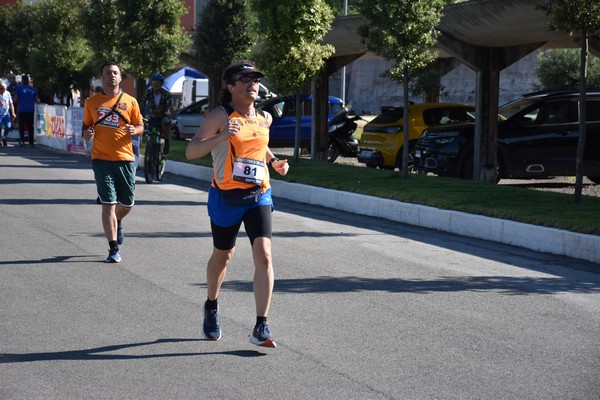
533	237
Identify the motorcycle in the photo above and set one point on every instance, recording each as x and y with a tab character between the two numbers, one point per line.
340	141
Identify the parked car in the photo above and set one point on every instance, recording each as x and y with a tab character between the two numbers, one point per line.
283	110
382	139
537	138
189	119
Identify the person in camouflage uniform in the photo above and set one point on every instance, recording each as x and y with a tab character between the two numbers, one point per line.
162	113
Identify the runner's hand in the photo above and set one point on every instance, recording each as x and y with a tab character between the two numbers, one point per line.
281	166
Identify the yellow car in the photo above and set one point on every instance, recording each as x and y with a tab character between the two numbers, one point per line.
381	143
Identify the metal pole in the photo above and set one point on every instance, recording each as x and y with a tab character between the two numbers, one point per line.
343	72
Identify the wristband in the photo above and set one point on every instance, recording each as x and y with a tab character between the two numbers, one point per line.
272	160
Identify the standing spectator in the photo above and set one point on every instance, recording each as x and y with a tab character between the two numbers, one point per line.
112	118
12	83
7	111
26	96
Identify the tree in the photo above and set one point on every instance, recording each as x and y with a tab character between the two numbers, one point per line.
223	34
14	47
290	48
154	37
58	52
558	69
577	17
143	36
402	31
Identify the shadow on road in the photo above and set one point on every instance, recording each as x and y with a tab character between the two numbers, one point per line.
507	285
99	353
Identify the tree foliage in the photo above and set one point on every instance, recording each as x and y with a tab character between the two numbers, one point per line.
290	48
580	17
143	36
63	42
58	52
101	19
558	69
153	37
401	31
223	35
574	16
14	47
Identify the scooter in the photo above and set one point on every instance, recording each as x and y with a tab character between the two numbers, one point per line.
340	141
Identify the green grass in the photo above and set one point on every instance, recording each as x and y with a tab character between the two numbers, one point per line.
556	210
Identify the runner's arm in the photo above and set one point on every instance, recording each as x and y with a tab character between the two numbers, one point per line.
214	129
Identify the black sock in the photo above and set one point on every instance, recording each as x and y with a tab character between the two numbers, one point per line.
119	224
211	304
260	320
113	244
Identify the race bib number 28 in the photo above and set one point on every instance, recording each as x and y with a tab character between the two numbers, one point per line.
248	170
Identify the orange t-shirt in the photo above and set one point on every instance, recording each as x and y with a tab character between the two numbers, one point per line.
111	141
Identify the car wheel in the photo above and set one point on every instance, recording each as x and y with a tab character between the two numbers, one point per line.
595	179
175	133
410	161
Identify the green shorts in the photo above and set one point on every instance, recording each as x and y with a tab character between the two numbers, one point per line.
115	181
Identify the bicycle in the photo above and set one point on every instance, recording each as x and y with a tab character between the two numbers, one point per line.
154	161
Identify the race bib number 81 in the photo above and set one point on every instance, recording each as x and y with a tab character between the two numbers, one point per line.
248	170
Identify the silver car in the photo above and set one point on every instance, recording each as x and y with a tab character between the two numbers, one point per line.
189	119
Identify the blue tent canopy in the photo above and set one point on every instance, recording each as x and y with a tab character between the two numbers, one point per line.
175	81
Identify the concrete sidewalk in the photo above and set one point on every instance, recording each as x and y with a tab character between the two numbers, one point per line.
538	238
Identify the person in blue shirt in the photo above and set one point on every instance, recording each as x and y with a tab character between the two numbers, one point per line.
26	96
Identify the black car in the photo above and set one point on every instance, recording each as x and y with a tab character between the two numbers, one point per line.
537	138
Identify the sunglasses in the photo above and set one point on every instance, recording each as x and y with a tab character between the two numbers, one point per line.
248	78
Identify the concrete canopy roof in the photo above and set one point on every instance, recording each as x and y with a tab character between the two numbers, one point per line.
480	23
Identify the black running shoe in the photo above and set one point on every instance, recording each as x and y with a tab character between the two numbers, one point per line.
211	329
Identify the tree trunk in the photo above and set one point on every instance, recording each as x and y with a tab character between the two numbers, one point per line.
582	118
297	135
405	147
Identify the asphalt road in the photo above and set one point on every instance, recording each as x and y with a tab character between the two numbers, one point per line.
363	308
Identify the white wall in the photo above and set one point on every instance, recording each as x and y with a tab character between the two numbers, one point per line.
368	91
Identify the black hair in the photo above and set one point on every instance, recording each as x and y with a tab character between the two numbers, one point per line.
106	64
225	96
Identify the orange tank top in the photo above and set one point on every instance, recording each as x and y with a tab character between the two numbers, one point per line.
240	162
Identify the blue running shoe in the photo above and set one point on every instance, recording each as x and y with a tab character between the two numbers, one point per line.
114	256
120	237
211	329
261	336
